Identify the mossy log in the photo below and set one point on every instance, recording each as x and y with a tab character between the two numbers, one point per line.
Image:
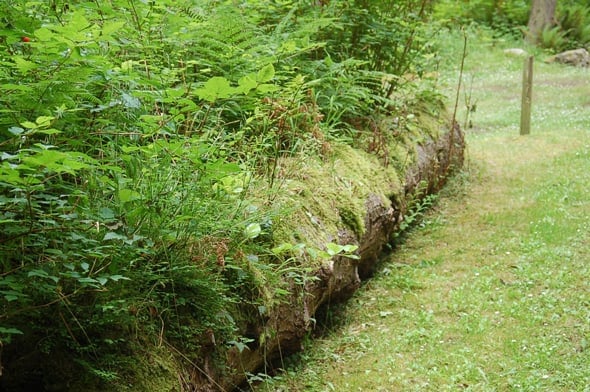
434	159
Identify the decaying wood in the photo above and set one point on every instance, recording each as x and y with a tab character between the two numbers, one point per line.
288	323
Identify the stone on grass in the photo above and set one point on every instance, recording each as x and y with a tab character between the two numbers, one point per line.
576	57
515	52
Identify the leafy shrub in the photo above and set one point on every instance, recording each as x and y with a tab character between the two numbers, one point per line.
388	36
130	138
506	17
553	38
109	168
511	17
574	22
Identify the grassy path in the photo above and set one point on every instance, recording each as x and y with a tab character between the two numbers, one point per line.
492	292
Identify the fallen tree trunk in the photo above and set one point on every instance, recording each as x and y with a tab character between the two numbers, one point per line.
287	324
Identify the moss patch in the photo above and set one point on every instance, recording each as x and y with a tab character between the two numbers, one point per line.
325	196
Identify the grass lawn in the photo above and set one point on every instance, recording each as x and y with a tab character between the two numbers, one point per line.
492	291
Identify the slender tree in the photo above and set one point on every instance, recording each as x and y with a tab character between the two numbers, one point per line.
542	16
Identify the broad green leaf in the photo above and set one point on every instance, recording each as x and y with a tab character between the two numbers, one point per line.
44	34
267	88
47	158
350	248
221	168
234	184
288	47
265	74
127	66
111	235
10	331
79	21
247	83
130	102
71	216
239	345
282	248
106	213
215	88
111	27
12	176
320	254
253	230
29	125
44	121
333	249
126	195
117	278
16	130
50	131
11	295
38	273
87	280
174	93
187	105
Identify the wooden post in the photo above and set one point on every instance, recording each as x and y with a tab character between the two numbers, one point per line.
527	96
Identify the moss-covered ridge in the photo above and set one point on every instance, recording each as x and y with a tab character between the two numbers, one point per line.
350	197
326	197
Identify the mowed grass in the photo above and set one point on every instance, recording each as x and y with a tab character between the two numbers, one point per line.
492	291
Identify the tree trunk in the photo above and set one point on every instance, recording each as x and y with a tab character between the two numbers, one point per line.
542	16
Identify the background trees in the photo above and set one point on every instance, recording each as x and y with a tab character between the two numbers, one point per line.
542	16
549	24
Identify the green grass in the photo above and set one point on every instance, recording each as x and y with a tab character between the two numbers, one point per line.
492	291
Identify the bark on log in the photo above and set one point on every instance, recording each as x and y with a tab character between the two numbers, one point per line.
338	280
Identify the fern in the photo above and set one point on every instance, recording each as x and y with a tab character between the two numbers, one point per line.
226	44
553	38
575	22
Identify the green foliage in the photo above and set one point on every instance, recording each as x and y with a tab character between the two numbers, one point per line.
504	256
574	23
506	17
388	35
106	176
572	29
511	17
132	135
553	38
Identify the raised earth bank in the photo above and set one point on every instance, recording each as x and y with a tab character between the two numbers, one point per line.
353	199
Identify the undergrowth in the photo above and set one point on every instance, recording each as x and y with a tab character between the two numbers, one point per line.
133	136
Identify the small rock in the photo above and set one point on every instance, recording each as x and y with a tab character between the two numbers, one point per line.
516	52
576	57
